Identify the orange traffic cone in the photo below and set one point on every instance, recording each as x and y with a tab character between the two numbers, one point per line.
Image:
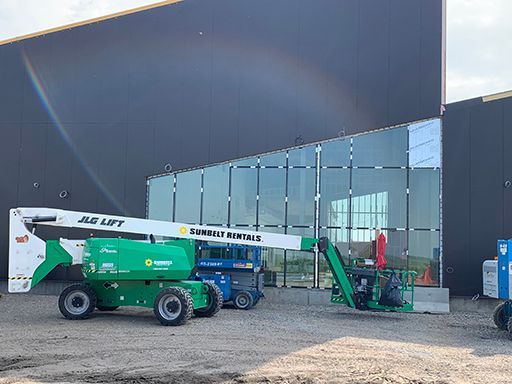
426	277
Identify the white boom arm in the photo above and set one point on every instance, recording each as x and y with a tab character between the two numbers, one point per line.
27	251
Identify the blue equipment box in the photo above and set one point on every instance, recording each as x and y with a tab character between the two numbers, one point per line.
505	269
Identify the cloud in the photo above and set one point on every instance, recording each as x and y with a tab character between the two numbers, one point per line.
21	17
479	48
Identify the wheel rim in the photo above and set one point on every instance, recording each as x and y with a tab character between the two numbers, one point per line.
242	300
169	307
77	302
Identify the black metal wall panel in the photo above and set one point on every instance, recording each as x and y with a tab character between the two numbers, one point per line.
456	197
507	167
486	188
253	93
476	164
138	165
341	69
431	32
113	171
10	132
84	196
169	105
101	106
278	86
63	85
197	78
11	77
31	164
373	61
404	31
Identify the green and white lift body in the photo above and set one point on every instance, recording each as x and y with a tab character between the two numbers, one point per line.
117	272
122	272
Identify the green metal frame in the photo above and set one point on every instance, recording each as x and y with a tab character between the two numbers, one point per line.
55	255
143	293
344	284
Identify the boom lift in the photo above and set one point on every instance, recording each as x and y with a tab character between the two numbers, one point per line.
121	272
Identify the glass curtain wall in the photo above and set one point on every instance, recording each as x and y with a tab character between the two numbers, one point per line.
349	189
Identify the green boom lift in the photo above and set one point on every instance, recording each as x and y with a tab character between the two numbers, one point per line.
122	272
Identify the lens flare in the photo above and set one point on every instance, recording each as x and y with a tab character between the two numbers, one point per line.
40	87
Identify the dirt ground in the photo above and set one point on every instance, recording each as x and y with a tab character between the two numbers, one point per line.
267	344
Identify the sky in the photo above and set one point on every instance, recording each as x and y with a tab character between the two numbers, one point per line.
479	36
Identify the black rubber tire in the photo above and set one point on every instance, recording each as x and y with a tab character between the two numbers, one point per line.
499	317
181	298
106	308
77	301
509	327
243	300
215	301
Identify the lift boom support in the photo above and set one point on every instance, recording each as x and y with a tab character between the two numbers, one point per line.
30	259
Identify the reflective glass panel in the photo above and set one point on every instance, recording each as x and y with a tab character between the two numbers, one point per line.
363	245
273	261
273	159
396	249
160	198
339	238
302	156
385	148
379	198
188	197
304	232
424	198
215	194
300	269
243	196
246	162
334	197
335	153
272	196
424	256
425	144
301	196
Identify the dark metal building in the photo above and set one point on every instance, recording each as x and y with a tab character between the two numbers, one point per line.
477	187
87	113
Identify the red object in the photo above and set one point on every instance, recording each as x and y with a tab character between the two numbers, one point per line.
381	250
426	278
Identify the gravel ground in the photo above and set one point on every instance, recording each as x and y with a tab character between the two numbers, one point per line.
270	343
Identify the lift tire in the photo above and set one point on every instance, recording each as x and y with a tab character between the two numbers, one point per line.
77	301
106	308
243	300
509	327
500	318
215	301
173	306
